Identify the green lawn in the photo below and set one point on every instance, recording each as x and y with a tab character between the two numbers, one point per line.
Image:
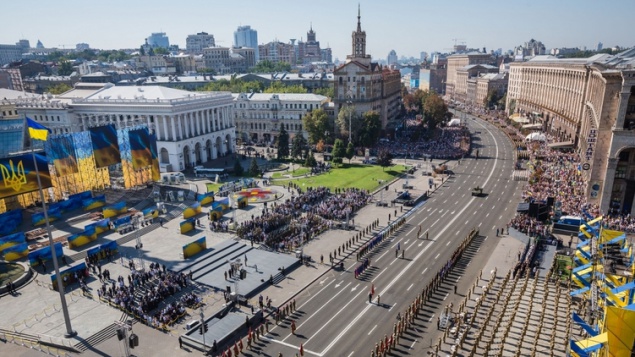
354	175
211	186
564	266
297	173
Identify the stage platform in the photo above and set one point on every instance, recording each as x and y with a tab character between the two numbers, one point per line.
209	267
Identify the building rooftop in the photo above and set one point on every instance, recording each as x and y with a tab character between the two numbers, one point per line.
147	95
282	96
14	95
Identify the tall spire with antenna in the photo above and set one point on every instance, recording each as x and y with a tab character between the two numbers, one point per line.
359	17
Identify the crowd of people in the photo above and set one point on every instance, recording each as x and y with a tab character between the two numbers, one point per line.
292	223
448	143
156	284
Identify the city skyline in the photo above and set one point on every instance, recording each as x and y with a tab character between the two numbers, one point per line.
495	24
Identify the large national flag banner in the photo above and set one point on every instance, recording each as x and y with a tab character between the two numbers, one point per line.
37	131
140	148
156	174
18	174
62	151
105	145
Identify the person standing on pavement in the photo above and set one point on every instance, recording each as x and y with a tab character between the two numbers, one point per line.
180	342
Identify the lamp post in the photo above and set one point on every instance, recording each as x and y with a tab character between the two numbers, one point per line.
349	103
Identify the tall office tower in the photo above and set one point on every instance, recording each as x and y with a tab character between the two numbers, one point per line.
392	59
158	39
196	43
245	36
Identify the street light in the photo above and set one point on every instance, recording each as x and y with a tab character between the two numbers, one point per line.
349	103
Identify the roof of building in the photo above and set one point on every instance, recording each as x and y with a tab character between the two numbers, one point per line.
493	76
472	53
625	59
13	95
145	92
470	66
282	96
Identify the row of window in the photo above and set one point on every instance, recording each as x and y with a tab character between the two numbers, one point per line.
275	106
46	118
9	113
263	126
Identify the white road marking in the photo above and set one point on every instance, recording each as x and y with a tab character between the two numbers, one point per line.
487	215
318	310
480	224
431	317
424	270
437	256
351	354
355	288
413	344
294	347
410	287
435	222
403	271
334	316
448	243
446	296
393	305
372	329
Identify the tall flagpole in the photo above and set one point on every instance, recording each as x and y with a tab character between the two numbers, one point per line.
60	287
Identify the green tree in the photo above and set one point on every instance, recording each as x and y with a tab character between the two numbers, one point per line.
338	151
65	68
283	143
501	102
161	51
297	145
55	56
384	158
326	91
238	168
254	170
350	151
435	111
310	160
318	125
370	129
279	87
142	51
343	122
59	88
512	106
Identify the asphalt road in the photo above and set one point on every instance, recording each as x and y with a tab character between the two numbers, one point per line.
334	316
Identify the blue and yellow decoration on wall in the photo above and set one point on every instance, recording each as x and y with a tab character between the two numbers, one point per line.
187	225
192	211
105	145
94	202
197	246
45	254
18	174
205	198
10	221
13	247
77	240
115	209
218	209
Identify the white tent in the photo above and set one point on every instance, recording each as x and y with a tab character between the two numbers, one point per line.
454	122
536	137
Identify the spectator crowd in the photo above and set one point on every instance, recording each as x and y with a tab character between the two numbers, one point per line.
292	223
144	292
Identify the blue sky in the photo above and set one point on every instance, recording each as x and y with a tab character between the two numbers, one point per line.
407	26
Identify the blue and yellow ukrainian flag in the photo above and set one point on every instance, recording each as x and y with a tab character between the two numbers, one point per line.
37	131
